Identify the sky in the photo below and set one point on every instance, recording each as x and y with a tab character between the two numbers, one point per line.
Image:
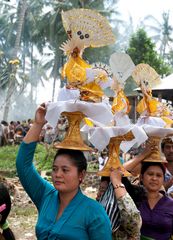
137	9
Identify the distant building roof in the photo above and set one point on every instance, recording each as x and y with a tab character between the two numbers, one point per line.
164	88
166	83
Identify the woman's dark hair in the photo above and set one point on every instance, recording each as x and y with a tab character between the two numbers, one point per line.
4	123
5	199
146	165
105	179
76	156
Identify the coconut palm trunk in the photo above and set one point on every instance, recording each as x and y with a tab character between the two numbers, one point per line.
22	6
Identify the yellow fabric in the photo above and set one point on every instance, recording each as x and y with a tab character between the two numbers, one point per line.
75	70
155	109
93	88
88	122
168	121
121	103
151	105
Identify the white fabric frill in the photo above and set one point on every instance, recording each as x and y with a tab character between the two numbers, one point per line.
100	136
65	94
121	119
157	131
68	102
153	121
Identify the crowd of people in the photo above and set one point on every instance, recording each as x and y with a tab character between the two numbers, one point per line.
123	209
13	132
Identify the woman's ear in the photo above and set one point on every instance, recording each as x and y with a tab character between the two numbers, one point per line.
82	176
141	179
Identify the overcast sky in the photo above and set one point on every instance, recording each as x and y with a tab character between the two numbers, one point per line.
138	9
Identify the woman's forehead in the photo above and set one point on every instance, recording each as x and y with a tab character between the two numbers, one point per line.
63	160
154	168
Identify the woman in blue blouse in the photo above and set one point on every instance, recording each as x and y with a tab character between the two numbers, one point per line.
63	211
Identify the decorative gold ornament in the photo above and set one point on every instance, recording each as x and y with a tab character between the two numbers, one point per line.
122	67
88	26
73	139
85	28
113	158
121	103
155	155
146	77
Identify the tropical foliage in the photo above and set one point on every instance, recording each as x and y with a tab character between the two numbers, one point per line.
31	33
143	50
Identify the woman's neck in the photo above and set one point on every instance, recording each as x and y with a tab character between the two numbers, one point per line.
153	198
66	197
154	195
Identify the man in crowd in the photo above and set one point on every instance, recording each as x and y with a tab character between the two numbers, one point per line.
167	149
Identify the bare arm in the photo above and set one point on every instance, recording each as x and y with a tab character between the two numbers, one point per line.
35	130
116	179
130	217
134	165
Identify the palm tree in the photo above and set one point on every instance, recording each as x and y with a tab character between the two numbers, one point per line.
161	32
22	6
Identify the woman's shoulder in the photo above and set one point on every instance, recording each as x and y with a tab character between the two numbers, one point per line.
168	200
166	203
94	211
92	203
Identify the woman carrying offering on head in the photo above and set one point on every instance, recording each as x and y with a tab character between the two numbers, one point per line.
155	206
63	211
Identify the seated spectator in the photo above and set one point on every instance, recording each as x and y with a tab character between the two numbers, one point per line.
11	132
62	128
19	134
5	132
49	134
102	159
1	134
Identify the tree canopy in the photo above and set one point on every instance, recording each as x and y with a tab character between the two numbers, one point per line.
143	50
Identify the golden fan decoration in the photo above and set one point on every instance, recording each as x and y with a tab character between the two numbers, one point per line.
89	26
145	76
85	28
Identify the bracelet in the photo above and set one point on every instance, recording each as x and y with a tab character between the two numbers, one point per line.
5	225
119	186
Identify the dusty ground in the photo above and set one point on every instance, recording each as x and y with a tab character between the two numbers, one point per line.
23	215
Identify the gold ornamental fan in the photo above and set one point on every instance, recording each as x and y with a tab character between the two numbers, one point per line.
145	76
113	158
88	26
73	138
